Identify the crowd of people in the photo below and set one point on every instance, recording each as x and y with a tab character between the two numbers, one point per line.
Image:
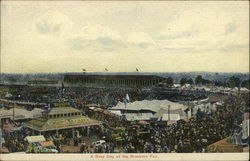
88	95
192	135
14	136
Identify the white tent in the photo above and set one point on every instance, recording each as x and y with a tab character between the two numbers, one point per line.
138	116
244	89
8	95
160	107
92	108
173	117
117	112
22	113
153	105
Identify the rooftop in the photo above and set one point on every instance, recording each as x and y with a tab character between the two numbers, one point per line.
44	124
113	76
225	145
153	105
62	110
217	98
20	113
47	143
32	139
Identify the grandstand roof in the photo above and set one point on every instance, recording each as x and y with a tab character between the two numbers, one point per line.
113	76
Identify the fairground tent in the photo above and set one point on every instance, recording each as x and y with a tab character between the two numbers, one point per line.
159	110
20	113
153	105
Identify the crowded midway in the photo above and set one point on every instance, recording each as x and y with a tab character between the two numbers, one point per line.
109	120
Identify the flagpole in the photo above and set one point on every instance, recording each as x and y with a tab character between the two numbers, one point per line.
13	111
169	112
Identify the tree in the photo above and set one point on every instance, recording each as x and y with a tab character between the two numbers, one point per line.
218	83
183	81
198	80
246	84
205	81
170	82
190	81
233	82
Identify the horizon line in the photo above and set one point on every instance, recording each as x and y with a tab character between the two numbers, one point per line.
123	72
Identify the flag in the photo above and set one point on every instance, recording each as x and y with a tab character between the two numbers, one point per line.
127	98
137	69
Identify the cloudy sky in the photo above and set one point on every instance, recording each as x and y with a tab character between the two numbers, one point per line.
166	36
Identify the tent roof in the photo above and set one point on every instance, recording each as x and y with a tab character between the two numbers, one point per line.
92	108
153	105
136	116
21	113
173	117
22	102
116	112
162	112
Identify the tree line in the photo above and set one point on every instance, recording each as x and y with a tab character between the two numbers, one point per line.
199	80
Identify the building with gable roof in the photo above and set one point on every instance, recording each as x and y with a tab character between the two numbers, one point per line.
59	118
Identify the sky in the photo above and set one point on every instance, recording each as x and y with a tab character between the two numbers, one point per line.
179	36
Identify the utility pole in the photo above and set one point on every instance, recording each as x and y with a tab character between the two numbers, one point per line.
1	137
169	112
13	111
